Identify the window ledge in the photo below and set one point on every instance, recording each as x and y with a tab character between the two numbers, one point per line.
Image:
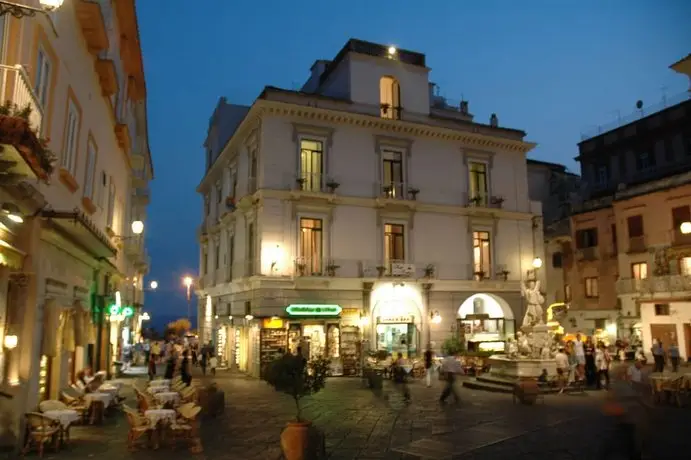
68	180
88	205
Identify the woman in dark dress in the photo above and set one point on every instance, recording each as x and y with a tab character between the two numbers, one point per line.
185	369
170	367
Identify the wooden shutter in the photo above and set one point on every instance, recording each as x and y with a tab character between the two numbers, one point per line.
635	224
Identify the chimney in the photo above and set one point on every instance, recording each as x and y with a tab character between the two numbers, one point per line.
494	121
316	70
464	107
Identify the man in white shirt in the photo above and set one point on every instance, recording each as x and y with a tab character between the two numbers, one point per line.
562	360
579	350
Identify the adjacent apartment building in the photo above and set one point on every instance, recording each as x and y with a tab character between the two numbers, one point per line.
74	172
627	268
363	212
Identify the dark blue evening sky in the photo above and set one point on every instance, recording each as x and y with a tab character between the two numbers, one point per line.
550	67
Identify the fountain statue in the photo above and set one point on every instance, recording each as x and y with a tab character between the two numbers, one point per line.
531	291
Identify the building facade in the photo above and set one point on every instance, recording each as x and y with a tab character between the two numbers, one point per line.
633	205
364	213
75	83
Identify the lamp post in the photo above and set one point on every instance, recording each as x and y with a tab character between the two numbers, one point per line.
187	281
19	11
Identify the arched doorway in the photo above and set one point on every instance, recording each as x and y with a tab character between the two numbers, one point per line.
485	321
396	321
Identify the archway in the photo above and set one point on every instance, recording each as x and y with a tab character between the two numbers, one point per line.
485	321
397	318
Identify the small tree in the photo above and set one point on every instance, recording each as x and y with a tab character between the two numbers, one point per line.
179	326
293	376
452	346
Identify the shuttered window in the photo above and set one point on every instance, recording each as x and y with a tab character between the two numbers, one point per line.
680	215
635	224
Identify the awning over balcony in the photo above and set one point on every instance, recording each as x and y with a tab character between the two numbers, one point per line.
81	231
93	25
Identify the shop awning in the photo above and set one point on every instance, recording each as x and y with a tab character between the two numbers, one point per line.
81	231
11	256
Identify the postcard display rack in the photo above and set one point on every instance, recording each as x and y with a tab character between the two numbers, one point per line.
350	344
273	341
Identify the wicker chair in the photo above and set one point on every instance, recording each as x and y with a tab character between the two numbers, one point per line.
51	404
40	430
77	404
186	426
138	427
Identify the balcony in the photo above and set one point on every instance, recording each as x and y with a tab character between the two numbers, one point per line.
396	191
107	76
315	183
474	200
655	286
587	254
142	195
21	118
679	239
93	25
637	245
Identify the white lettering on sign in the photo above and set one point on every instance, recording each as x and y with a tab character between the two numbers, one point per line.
406	319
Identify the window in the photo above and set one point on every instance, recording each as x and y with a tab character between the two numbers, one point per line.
639	271
644	161
311	245
602	176
217	256
586	238
90	170
661	309
591	288
207	205
615	249
481	254
685	266
392	174
678	145
205	262
635	226
71	140
251	249
234	179
390	98
394	242
102	190
253	171
219	192
599	323
3	22
680	215
311	165
557	260
477	183
43	75
567	293
111	203
231	256
623	157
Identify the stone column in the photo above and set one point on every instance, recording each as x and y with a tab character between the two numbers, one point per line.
426	288
366	313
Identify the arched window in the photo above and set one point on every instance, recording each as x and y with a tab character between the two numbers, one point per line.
390	98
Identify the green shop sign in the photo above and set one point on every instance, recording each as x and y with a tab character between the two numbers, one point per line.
115	310
313	310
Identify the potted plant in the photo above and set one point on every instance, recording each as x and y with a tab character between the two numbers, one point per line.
230	203
452	346
505	274
498	201
413	193
331	268
332	185
300	266
380	270
429	271
479	275
300	181
297	378
475	200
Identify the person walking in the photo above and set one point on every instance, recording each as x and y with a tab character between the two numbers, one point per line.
602	360
152	367
428	366
213	362
449	368
203	361
185	373
658	356
400	378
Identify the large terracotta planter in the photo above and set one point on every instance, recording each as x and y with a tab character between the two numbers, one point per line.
526	392
295	440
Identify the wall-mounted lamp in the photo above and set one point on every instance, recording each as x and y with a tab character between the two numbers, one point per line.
364	320
435	317
11	342
153	285
537	263
249	317
685	228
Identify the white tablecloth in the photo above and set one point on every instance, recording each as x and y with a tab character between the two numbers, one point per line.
64	416
155	390
160	383
114	383
108	389
105	398
168	396
159	415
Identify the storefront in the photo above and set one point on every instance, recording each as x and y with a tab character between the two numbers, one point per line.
222	345
316	330
396	318
485	321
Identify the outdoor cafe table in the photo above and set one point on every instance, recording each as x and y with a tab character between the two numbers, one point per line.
157	418
105	398
159	382
63	416
167	397
158	389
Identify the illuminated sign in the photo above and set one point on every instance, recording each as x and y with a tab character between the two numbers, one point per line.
313	310
396	319
115	310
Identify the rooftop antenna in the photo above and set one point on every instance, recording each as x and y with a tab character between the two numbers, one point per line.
664	95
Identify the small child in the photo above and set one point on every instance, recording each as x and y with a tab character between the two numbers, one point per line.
544	378
213	362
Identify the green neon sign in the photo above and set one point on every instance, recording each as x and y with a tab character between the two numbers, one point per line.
113	310
313	310
128	311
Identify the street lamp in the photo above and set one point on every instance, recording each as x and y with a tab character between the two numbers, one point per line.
153	285
685	228
187	281
137	227
537	263
19	11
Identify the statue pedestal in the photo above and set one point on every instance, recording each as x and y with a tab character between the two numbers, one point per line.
503	366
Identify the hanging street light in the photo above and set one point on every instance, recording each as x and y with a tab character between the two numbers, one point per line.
19	10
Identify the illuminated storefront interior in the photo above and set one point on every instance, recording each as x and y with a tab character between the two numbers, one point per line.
485	321
396	317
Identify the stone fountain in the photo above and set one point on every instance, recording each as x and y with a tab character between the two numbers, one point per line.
529	353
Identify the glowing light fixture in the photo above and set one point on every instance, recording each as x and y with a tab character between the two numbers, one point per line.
392	50
137	227
685	228
11	342
51	5
153	285
249	317
187	281
127	311
537	262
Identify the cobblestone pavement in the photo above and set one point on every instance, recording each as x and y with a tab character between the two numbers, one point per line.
359	424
